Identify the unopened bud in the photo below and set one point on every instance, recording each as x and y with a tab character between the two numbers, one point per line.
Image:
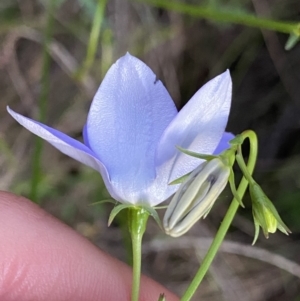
265	214
196	196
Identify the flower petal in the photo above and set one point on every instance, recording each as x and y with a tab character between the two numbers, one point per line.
199	127
85	136
160	190
66	145
224	143
128	115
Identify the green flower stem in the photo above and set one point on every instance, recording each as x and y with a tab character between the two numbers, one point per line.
226	221
38	148
94	38
242	165
226	16
137	221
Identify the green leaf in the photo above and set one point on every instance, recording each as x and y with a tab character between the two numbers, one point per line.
196	155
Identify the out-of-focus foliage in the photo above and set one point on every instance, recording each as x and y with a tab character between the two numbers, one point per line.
185	52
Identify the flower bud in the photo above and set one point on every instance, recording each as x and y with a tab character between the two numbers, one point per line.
196	196
265	214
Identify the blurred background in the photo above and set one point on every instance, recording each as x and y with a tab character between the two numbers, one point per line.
53	56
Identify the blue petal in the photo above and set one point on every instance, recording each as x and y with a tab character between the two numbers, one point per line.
85	137
66	145
224	143
199	127
129	113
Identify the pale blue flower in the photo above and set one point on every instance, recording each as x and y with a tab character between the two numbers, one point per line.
133	128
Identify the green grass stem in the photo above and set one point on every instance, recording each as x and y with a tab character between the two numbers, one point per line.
94	39
226	16
42	104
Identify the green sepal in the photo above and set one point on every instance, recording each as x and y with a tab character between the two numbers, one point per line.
233	188
180	180
256	226
259	217
283	227
228	156
154	214
160	207
292	41
116	210
237	140
112	201
162	297
196	155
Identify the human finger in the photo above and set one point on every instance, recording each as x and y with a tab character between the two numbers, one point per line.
41	259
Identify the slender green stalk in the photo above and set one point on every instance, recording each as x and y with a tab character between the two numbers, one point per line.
42	104
226	16
226	221
137	221
243	167
137	259
94	38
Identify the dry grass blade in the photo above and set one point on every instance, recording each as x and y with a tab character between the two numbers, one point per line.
159	245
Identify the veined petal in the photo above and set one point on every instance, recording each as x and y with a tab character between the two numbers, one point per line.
224	143
198	127
128	115
161	190
66	145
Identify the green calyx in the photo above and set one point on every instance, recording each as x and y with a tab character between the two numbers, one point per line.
134	208
137	220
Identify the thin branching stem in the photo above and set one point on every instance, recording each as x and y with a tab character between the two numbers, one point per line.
226	221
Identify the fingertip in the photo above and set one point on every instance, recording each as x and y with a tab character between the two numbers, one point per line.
42	259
